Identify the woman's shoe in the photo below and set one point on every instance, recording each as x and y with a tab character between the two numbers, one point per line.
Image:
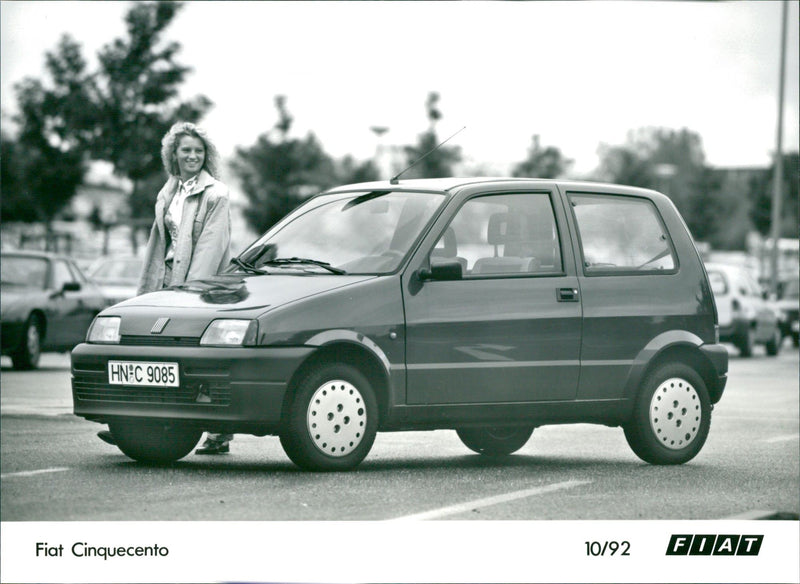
214	447
107	437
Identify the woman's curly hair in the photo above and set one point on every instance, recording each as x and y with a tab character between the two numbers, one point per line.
169	147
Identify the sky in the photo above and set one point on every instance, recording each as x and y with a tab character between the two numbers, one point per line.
579	74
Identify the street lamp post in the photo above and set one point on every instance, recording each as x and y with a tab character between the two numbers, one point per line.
777	190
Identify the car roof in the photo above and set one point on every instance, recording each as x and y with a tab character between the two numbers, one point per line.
451	183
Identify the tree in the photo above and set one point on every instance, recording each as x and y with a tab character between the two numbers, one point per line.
278	172
48	160
349	170
761	193
542	162
15	204
673	162
137	96
436	163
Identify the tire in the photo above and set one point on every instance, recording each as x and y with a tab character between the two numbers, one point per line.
745	343
773	345
671	417
30	351
154	441
495	441
333	419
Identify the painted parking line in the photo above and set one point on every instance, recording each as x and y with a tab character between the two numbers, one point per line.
489	501
784	438
30	473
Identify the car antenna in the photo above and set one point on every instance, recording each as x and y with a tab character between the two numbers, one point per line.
393	180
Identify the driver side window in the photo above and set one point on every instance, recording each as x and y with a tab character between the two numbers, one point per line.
61	274
501	235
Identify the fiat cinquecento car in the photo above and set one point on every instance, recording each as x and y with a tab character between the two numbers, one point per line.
487	306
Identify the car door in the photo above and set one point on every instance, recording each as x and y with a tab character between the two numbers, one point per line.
90	301
66	321
509	330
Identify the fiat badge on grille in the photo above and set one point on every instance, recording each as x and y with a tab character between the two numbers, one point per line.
159	325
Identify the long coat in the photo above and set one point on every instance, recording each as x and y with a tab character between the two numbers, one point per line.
204	236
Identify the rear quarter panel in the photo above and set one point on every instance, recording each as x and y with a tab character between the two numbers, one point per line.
628	318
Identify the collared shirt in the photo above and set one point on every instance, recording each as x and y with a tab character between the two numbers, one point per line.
172	219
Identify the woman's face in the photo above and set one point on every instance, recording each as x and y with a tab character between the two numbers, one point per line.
191	154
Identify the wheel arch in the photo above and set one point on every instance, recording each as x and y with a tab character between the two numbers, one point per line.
351	353
679	347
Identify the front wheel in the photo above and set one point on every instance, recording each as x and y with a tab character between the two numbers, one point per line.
27	356
155	441
333	419
671	417
495	441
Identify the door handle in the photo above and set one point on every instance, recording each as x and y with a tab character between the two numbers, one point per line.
567	294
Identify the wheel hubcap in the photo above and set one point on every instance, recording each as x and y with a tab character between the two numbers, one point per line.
675	413
337	418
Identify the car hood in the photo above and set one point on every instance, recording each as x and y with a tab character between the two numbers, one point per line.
192	305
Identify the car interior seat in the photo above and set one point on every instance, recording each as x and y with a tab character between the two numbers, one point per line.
508	230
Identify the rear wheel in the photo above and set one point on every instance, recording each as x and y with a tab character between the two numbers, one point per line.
671	417
495	440
333	419
745	342
773	345
158	441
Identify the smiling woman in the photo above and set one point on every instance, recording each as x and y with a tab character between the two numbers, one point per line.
191	234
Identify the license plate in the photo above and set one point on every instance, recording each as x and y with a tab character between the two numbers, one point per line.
156	374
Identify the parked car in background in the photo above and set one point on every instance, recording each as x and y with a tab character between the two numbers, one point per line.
788	306
486	306
46	304
118	277
746	318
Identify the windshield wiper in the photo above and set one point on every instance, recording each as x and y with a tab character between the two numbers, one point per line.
288	261
247	266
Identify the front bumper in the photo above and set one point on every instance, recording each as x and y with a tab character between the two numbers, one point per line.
231	389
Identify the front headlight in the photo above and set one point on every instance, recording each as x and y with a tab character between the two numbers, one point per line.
230	332
104	329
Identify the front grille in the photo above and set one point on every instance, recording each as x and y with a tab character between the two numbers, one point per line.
199	392
158	341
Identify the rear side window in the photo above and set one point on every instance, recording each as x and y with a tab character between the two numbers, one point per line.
621	235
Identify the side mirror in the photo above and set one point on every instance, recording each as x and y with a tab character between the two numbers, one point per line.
71	287
442	270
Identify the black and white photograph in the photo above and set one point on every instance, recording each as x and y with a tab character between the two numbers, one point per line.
400	291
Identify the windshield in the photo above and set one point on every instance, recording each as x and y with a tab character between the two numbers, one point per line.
354	233
23	271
